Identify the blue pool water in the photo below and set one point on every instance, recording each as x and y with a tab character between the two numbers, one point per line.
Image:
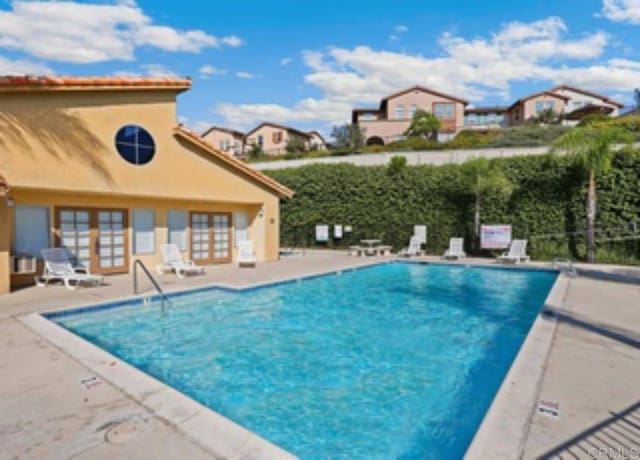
398	361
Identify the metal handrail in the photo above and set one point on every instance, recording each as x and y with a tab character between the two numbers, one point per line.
139	263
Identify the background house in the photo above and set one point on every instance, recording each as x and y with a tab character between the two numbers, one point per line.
390	121
98	166
225	139
273	138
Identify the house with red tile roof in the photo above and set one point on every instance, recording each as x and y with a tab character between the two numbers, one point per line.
99	166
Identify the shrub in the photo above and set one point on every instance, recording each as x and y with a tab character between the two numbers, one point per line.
528	136
469	139
548	199
396	165
295	144
593	119
413	143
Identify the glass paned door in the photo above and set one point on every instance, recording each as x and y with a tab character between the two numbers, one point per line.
210	237
111	241
200	237
221	232
95	238
75	235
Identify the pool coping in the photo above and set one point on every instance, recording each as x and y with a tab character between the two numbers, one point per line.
226	438
503	431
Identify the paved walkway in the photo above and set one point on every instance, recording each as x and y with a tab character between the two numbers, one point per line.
431	157
592	372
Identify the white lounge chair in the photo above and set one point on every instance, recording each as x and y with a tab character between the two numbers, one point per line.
456	249
246	254
173	262
517	252
414	248
58	267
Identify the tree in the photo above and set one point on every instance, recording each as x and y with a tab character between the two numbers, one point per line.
594	148
484	177
548	117
255	151
424	124
636	98
296	144
349	136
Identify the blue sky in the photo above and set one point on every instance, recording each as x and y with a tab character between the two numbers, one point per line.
308	63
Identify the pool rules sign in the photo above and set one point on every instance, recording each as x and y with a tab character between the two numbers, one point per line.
495	236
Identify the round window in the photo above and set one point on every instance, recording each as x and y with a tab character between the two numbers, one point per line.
135	144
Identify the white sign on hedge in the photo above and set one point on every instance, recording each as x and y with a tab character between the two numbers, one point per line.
495	236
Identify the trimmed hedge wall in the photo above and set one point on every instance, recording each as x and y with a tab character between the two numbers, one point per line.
381	202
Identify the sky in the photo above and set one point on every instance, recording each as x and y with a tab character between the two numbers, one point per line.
308	63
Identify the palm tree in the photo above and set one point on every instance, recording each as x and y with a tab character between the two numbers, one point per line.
424	124
594	148
484	177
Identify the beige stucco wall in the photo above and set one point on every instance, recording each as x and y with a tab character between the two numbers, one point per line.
393	127
219	138
388	130
268	146
578	99
5	225
530	105
60	151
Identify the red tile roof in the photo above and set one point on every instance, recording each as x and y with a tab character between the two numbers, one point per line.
274	185
49	83
4	186
282	127
588	93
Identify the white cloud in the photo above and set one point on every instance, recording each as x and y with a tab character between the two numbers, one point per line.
69	31
198	126
23	67
245	75
158	70
285	61
232	40
401	29
207	71
472	68
394	38
148	70
622	10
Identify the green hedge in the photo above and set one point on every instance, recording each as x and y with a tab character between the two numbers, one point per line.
380	202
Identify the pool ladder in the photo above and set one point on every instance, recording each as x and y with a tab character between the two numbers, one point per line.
138	263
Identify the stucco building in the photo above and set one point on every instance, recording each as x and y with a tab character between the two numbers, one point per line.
100	167
391	119
224	139
273	138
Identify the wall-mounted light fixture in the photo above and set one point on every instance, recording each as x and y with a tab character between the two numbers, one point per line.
10	202
261	212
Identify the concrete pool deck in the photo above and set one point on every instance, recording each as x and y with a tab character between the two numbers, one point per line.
51	408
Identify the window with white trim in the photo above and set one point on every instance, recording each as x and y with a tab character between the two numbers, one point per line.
31	230
399	112
241	225
177	229
144	231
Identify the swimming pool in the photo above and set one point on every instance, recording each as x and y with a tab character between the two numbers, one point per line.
399	360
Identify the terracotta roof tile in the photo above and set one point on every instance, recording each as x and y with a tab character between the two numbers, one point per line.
31	82
274	185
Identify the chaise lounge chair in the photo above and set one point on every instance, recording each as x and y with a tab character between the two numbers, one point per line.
455	250
517	253
414	248
58	267
173	262
246	254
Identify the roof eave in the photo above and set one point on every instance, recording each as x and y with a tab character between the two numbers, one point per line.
279	189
